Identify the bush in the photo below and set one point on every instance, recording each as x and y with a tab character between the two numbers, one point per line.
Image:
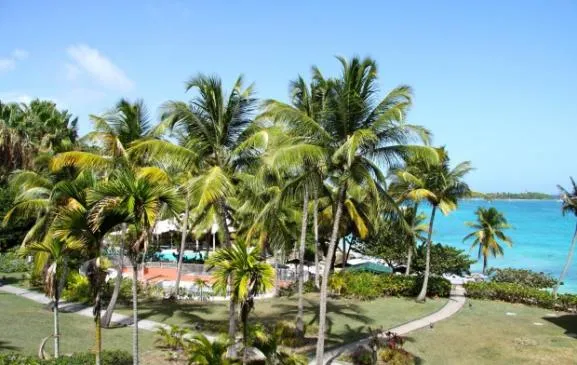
290	290
108	358
368	286
10	262
77	289
522	277
515	293
362	356
396	356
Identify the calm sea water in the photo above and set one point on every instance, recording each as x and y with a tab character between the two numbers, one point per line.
541	235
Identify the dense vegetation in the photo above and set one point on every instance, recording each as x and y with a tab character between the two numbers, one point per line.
525	195
524	277
108	358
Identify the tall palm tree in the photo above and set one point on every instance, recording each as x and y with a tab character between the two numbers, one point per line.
569	198
58	253
139	199
441	187
212	125
488	232
360	134
241	269
114	132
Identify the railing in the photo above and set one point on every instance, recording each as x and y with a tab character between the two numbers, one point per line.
186	268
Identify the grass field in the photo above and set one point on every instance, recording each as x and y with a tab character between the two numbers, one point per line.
486	334
347	319
24	324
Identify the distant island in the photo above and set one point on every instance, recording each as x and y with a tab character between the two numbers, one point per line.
526	195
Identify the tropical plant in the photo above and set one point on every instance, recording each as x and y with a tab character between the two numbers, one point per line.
522	277
444	259
138	199
488	234
58	253
569	198
441	187
202	351
240	269
270	341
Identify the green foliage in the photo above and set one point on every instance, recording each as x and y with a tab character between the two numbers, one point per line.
526	195
522	277
444	260
368	286
77	289
396	356
11	262
12	234
108	358
515	293
362	356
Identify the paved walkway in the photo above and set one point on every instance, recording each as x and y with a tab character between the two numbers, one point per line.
455	303
81	309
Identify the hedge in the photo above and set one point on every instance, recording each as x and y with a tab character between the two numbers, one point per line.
367	286
108	358
515	293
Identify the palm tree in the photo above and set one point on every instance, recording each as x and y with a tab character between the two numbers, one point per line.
212	125
442	187
58	253
488	232
113	133
202	351
139	199
241	269
569	198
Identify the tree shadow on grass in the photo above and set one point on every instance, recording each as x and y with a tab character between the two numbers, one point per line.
567	321
6	346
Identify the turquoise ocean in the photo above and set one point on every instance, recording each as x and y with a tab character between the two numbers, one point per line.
541	235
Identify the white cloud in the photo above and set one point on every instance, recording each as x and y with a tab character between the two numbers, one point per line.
20	54
72	71
98	66
15	97
7	64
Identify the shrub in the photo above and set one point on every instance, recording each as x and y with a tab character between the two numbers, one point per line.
11	262
396	356
515	293
108	358
77	289
368	286
522	277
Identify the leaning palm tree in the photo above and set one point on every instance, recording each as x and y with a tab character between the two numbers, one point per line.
488	232
58	253
139	199
569	198
442	187
241	269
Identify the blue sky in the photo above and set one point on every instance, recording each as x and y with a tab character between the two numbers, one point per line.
495	81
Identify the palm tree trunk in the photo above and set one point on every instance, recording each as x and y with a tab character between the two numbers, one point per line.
135	312
316	233
232	304
344	264
56	323
567	263
324	284
276	279
97	308
182	245
107	318
300	325
484	264
412	243
423	294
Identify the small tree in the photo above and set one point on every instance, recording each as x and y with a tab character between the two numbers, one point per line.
569	199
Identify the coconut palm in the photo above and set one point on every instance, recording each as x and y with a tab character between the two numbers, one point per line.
569	198
488	232
361	134
240	269
139	199
441	187
212	125
58	253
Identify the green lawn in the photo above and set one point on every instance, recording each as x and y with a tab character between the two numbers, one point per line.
485	334
348	319
24	323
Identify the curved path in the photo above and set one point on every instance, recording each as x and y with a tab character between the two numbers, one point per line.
455	303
